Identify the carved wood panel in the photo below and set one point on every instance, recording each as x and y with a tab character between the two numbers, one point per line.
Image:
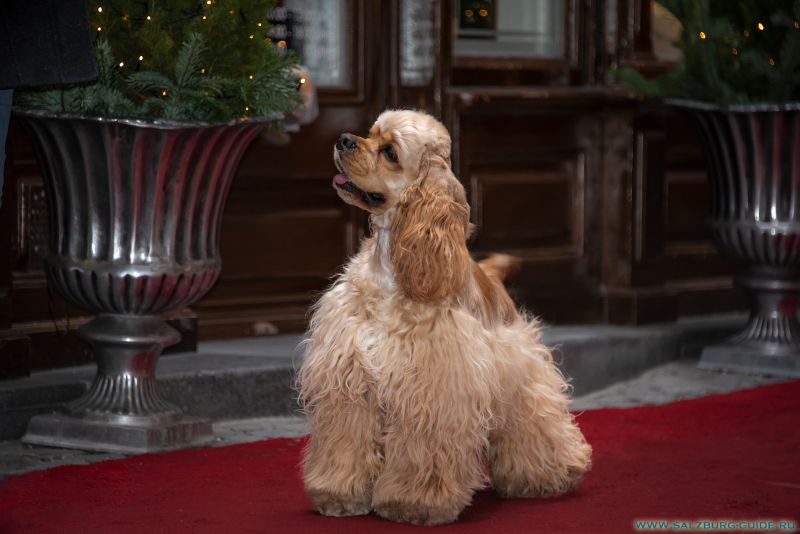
529	206
31	224
687	241
532	172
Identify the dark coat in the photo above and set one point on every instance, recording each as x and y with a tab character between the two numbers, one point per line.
44	42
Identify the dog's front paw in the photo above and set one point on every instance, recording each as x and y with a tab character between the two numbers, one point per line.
416	514
327	503
555	486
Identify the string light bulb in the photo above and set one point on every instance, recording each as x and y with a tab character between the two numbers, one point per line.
252	36
302	80
760	26
772	62
141	58
99	28
702	35
99	9
163	93
259	24
202	71
250	77
734	52
149	17
121	64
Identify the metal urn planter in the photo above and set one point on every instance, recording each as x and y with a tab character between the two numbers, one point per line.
754	163
135	210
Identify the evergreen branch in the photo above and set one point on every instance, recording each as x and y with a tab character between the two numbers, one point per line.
151	81
173	40
743	52
189	59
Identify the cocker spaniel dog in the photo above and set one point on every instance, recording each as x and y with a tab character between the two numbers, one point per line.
421	380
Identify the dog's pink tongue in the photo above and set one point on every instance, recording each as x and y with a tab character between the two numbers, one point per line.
341	179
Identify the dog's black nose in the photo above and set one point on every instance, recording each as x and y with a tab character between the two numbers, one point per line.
346	142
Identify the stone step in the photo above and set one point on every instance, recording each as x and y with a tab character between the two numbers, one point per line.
253	377
671	381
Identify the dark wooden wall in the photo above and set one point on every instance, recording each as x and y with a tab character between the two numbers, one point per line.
603	196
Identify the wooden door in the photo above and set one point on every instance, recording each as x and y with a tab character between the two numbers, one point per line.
285	232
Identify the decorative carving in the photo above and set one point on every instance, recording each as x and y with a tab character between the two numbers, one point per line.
500	200
32	224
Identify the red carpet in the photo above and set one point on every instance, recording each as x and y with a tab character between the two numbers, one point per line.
733	456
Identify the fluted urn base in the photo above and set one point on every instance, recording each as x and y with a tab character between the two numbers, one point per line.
123	410
74	432
770	342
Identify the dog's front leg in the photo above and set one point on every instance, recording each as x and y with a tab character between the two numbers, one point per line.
431	470
343	458
437	405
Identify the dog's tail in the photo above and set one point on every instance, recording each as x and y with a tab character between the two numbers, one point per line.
501	266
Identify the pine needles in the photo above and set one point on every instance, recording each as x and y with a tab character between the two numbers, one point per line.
210	61
733	53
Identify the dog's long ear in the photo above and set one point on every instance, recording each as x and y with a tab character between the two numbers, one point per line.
428	235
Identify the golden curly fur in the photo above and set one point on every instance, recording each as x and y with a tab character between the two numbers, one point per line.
421	380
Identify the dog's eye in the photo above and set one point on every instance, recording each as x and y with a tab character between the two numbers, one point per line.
390	154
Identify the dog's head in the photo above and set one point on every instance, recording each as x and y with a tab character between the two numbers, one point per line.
403	165
375	170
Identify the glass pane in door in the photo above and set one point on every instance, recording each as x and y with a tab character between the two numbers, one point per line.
319	31
508	28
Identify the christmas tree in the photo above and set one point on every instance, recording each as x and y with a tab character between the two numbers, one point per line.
181	60
733	53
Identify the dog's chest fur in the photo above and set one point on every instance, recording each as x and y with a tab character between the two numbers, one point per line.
370	301
373	297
